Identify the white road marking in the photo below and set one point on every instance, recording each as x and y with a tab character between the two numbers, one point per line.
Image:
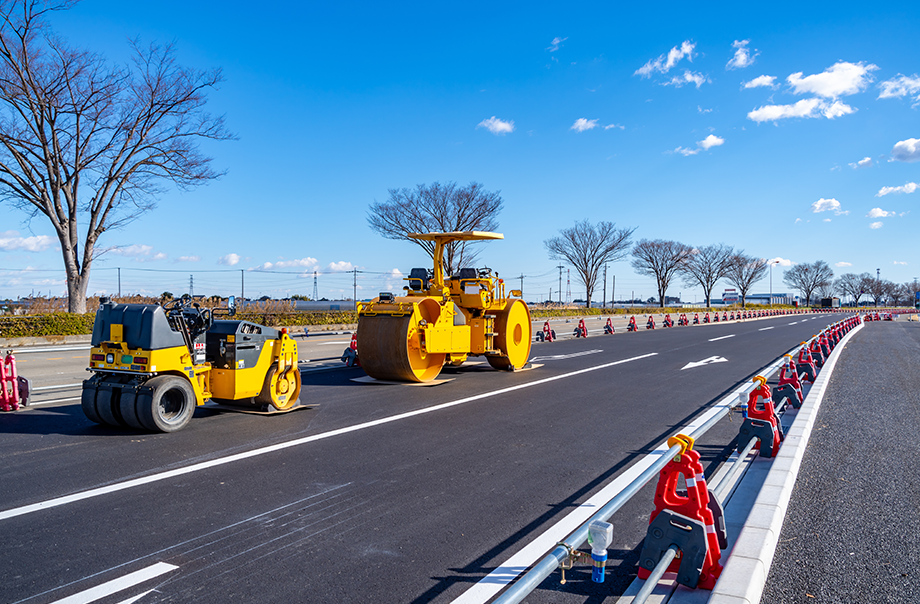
517	564
722	338
559	357
51	402
328	343
117	585
765	329
128	484
708	361
794	323
53	349
136	598
40	388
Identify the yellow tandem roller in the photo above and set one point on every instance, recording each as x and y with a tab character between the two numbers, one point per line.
443	320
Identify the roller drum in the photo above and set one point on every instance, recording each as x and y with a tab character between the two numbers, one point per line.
388	349
513	336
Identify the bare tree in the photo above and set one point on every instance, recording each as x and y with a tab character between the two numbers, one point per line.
588	247
706	265
912	287
878	289
807	278
897	292
851	284
90	145
438	208
744	272
828	289
662	260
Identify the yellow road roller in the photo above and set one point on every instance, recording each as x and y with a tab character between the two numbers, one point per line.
442	319
152	365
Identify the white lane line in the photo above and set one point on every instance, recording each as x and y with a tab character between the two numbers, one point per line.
40	388
128	484
51	402
136	598
722	338
117	585
794	323
559	357
765	329
517	564
53	349
328	343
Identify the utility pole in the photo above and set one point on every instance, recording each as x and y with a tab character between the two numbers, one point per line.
191	286
242	284
119	282
560	267
568	286
878	284
355	285
613	292
605	287
315	294
522	284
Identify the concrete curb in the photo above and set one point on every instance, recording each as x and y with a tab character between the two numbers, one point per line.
745	574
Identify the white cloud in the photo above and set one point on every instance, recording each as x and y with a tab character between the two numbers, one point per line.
901	263
688	77
805	108
879	213
906	150
763	81
843	264
685	152
908	188
875	225
131	250
827	220
11	241
703	111
779	261
828	205
188	259
900	86
797	220
556	43
840	79
307	262
159	256
609	126
582	124
229	260
662	64
341	266
743	57
865	162
497	126
711	141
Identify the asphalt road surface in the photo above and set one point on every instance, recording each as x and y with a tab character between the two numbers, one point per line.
378	493
850	533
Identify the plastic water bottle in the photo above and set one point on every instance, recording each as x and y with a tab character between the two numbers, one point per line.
600	534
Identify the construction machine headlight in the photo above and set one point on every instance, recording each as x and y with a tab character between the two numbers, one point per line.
110	358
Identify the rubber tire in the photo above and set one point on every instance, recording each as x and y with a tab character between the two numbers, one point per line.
128	405
107	406
180	392
88	402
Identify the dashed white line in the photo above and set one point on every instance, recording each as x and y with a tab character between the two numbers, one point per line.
128	484
794	323
53	401
765	328
722	338
40	388
116	585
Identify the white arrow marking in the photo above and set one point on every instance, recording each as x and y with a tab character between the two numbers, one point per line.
117	585
708	361
722	338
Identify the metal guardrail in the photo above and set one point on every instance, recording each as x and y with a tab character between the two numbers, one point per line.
553	560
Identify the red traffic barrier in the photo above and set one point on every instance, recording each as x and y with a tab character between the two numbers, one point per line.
667	321
806	365
789	376
350	356
693	503
724	316
9	384
581	331
650	324
632	324
608	328
715	317
696	318
547	332
764	411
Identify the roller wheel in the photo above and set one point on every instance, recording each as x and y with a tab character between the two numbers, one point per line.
88	402
280	389
170	405
513	337
128	405
390	350
107	405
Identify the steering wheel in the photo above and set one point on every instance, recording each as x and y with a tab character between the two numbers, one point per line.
485	273
179	302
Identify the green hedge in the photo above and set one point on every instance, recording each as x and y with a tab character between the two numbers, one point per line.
55	324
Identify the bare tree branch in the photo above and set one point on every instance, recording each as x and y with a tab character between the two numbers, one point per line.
438	208
806	278
744	272
706	265
661	259
89	145
587	247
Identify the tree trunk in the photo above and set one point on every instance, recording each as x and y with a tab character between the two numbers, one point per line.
77	280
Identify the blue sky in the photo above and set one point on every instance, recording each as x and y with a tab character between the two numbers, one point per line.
789	130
